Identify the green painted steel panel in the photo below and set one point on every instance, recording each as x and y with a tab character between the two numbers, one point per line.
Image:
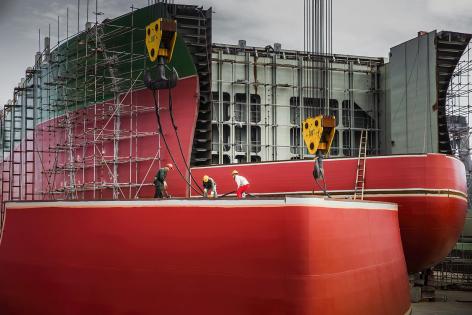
69	81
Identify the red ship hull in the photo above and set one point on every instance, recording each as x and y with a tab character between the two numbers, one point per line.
272	256
150	149
429	189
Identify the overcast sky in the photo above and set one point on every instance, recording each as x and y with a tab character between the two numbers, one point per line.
362	27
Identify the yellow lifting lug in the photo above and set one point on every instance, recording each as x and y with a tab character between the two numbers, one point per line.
318	133
160	39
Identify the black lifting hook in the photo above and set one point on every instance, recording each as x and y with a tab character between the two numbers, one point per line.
161	81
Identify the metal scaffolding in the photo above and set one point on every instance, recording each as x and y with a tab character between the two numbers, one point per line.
459	112
73	113
455	271
74	127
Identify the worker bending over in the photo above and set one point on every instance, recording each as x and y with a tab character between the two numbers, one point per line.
243	184
160	182
209	187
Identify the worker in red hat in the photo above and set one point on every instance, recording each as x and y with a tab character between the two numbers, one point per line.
243	184
160	182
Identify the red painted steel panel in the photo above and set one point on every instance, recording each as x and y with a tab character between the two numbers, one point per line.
430	223
202	260
430	227
185	108
432	171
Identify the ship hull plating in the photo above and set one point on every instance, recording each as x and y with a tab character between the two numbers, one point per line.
267	256
430	191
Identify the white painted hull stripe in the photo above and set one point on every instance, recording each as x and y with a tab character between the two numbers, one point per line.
450	193
282	202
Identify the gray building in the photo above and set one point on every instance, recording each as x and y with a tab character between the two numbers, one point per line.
417	79
257	112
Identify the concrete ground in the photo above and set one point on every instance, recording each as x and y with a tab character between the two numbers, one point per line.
457	303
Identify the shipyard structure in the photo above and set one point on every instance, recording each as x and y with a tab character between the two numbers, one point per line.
402	102
102	110
252	101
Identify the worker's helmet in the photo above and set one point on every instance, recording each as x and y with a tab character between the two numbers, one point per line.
205	178
235	172
170	166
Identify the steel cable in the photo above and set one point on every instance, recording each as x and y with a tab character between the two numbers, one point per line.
158	116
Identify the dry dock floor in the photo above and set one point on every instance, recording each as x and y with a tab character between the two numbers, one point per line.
457	303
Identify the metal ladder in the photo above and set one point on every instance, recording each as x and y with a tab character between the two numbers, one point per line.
360	173
6	154
29	124
16	152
